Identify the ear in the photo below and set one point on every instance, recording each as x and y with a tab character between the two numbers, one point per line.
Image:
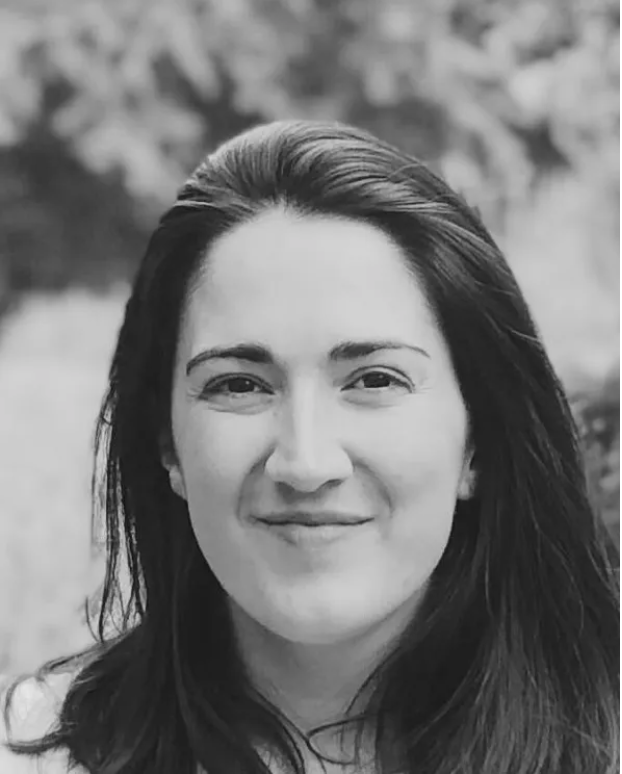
171	464
468	479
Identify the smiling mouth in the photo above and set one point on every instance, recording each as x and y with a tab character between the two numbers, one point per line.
312	520
312	535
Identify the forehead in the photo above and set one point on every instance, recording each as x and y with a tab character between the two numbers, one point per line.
305	282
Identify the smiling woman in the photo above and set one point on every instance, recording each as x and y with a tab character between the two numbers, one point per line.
347	483
332	400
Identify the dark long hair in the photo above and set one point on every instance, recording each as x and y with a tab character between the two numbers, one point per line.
511	664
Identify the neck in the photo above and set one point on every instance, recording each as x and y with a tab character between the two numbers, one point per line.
313	683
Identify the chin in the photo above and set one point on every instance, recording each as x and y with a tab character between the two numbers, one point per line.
326	626
325	617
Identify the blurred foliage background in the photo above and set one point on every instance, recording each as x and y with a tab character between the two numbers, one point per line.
106	105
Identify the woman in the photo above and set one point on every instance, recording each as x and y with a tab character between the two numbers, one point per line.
347	484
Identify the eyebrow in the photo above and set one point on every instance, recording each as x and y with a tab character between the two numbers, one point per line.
257	353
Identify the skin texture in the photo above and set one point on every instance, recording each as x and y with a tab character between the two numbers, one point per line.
384	436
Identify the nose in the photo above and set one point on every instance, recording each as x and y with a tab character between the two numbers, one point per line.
307	452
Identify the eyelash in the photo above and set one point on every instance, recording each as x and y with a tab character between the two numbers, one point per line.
214	387
396	381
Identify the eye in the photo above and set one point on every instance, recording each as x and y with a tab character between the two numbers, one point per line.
237	385
235	388
380	381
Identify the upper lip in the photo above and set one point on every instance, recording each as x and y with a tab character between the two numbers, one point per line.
311	518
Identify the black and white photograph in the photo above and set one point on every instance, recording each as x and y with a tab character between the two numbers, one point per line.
309	386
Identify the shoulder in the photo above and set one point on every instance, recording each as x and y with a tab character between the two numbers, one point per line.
33	711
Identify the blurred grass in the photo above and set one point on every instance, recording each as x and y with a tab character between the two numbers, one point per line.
54	356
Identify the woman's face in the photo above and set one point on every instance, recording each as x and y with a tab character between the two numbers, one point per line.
320	437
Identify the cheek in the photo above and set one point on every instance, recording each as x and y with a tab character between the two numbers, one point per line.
217	453
215	450
420	461
423	442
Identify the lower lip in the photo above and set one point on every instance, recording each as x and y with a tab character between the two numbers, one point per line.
319	535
